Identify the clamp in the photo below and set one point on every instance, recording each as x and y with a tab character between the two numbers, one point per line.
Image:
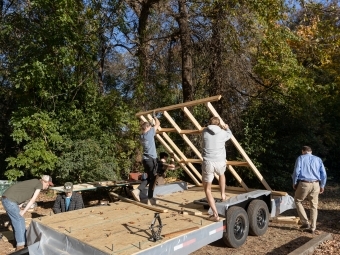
156	234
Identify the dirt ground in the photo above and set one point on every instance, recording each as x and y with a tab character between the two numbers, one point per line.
280	239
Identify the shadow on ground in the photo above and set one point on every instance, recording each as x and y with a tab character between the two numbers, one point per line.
290	246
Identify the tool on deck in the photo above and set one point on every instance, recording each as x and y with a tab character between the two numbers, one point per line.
156	234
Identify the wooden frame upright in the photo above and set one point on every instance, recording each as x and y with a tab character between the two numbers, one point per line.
187	163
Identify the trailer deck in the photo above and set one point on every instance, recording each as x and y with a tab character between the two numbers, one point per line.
123	227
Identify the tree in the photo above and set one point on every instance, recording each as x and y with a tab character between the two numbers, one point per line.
61	106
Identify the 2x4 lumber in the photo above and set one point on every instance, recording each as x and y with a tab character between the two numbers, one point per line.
180	232
138	203
171	121
279	193
185	138
237	177
190	132
273	192
252	166
286	220
237	163
192	146
173	145
181	105
240	149
169	149
191	175
169	130
229	162
240	189
192	118
191	160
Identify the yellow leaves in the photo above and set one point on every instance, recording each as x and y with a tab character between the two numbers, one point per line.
309	32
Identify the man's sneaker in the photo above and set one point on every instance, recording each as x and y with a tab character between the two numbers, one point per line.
154	201
309	230
135	193
305	226
19	248
151	201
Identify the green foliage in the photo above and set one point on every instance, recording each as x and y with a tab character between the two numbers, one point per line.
88	160
53	68
295	108
275	130
74	96
38	133
52	54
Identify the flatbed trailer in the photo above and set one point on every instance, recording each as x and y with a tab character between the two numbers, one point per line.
178	224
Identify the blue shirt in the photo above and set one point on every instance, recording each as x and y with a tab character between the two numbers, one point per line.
67	202
309	168
148	141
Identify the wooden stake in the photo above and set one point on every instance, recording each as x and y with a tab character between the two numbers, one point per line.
286	220
138	203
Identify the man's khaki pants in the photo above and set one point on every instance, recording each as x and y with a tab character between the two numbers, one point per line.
309	191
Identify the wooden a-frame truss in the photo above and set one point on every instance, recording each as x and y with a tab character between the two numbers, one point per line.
187	163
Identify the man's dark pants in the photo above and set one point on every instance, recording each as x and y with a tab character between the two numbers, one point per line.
150	165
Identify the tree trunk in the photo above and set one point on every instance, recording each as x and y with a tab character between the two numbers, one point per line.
188	90
143	12
216	46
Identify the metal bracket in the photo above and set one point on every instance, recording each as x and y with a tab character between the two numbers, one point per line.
156	234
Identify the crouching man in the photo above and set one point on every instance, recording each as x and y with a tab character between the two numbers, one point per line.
17	194
69	200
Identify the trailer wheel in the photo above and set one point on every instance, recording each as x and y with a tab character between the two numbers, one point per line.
237	227
258	215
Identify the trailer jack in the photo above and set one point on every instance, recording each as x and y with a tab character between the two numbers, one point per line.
156	234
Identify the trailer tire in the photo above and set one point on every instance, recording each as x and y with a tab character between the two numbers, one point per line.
258	215
237	227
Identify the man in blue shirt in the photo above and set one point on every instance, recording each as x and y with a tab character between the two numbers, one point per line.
147	139
309	180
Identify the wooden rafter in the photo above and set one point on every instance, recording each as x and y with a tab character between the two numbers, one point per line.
187	163
240	149
182	105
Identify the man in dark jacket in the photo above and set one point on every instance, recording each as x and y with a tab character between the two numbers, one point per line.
69	200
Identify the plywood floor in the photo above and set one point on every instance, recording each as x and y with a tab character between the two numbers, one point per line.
123	228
